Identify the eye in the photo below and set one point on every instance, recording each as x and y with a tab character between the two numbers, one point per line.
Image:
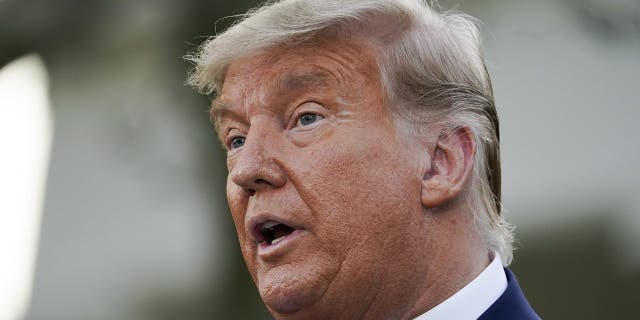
237	142
308	118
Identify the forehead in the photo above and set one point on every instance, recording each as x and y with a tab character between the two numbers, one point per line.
282	69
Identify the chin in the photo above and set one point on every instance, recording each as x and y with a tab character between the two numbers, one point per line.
288	304
288	291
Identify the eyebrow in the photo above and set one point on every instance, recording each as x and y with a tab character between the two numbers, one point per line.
286	83
217	109
297	81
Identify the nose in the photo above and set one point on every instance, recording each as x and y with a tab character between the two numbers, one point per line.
257	166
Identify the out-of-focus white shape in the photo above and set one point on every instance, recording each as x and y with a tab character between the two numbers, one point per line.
25	141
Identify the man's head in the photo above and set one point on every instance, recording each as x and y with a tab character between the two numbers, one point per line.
363	158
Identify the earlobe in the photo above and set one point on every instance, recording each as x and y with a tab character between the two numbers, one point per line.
450	169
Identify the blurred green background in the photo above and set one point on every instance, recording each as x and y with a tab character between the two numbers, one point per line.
135	223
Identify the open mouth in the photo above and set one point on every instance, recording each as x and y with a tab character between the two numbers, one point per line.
272	232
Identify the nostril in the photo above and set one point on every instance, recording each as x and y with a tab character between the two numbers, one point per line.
256	185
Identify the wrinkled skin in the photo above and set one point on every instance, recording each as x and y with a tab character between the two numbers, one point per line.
312	144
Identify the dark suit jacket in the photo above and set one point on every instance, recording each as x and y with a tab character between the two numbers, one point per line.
512	305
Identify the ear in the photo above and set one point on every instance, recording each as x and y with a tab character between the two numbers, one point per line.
450	169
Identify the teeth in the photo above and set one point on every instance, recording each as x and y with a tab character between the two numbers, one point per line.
277	240
269	224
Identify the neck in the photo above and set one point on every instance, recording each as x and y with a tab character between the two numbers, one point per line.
454	256
460	257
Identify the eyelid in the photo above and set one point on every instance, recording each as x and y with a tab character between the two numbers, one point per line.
319	110
231	134
227	123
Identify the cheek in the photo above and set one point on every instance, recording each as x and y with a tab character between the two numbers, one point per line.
357	185
238	207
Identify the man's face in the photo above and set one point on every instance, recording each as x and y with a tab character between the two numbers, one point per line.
323	187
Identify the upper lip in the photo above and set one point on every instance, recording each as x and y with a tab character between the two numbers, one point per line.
255	224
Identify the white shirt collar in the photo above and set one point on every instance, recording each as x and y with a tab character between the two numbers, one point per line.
473	299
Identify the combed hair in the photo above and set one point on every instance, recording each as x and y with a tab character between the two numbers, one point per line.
431	68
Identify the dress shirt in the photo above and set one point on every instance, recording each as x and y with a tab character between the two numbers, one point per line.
473	299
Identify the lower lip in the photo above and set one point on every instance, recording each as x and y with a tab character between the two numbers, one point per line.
265	249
